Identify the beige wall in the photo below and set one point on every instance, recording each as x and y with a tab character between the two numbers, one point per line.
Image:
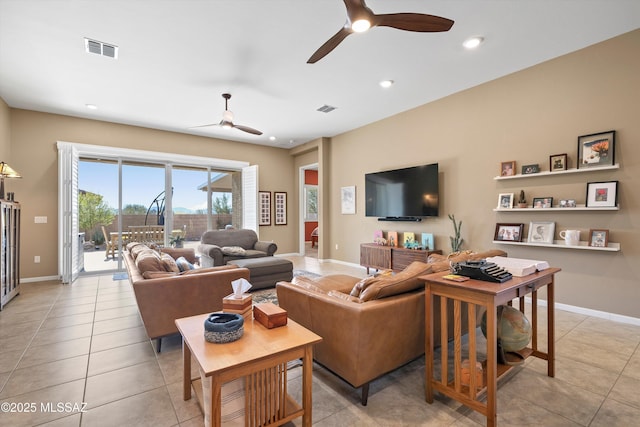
526	116
5	135
34	154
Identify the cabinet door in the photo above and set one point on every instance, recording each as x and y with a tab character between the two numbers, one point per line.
401	257
375	256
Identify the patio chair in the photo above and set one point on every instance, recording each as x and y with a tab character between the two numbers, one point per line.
110	244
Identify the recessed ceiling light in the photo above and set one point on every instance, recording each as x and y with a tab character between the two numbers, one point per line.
473	42
91	106
386	83
272	138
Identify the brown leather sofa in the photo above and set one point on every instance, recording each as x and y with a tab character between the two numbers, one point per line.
164	294
371	326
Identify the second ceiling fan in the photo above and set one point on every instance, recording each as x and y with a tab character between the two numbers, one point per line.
360	18
227	119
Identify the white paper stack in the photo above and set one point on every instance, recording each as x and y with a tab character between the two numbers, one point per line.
517	266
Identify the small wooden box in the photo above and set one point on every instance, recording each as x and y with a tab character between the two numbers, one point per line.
270	315
232	303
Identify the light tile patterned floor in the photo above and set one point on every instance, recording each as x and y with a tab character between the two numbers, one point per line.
85	343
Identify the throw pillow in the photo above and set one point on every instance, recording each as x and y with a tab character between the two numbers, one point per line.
158	274
149	261
363	284
405	281
170	263
233	250
183	264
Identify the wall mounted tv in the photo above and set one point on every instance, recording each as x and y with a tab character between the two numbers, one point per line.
402	194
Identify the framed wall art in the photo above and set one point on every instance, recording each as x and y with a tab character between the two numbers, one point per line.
542	232
508	232
508	168
348	200
598	238
427	241
597	149
505	200
280	207
264	204
602	194
558	162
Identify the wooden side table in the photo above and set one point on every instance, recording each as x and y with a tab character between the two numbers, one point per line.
488	295
260	355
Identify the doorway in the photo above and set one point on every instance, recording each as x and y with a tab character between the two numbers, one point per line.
309	207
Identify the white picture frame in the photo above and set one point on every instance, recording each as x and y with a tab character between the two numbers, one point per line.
348	200
541	232
505	201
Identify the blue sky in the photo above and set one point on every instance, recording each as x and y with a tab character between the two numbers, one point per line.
141	184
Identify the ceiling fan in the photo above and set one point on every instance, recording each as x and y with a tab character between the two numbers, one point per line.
227	119
360	18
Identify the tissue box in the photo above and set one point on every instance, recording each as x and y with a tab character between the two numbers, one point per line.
245	312
230	302
270	315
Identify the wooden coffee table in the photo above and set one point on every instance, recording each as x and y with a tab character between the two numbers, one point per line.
260	353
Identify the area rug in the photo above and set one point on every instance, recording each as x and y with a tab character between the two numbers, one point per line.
269	295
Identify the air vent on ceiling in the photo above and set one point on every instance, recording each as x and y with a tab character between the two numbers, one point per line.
100	48
326	108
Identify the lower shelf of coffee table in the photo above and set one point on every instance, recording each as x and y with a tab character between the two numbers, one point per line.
293	409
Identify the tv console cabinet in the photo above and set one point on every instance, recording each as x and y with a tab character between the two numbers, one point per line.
391	258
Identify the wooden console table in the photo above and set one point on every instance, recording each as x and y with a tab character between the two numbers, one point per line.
391	258
487	295
260	355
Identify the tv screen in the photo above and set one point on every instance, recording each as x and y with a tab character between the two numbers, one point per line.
402	193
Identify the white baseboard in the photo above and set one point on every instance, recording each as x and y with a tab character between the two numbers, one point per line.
38	279
590	312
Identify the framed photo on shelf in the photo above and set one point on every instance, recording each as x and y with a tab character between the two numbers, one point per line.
508	232
598	238
567	203
558	162
348	200
542	232
505	200
542	202
409	237
508	168
280	207
427	241
529	169
602	194
596	149
264	200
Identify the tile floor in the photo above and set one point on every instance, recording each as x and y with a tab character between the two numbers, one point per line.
63	347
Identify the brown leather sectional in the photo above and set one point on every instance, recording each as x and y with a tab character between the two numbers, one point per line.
371	326
169	295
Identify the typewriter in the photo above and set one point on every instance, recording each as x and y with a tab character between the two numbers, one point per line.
481	270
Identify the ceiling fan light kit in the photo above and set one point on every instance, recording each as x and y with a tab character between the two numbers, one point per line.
360	18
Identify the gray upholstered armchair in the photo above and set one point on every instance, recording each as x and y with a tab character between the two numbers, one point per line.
217	247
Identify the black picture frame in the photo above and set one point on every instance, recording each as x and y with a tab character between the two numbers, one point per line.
529	169
602	194
558	162
508	232
596	149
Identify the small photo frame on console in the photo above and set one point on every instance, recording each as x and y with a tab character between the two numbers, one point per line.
598	238
508	232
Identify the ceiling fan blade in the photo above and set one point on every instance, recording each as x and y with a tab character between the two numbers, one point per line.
204	126
418	22
329	45
248	129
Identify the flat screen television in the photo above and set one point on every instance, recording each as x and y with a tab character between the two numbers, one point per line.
402	194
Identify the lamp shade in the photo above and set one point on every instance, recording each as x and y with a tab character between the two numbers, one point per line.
7	171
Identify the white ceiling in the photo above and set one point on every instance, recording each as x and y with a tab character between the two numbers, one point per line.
176	58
